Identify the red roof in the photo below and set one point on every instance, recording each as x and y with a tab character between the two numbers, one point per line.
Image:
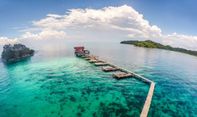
79	47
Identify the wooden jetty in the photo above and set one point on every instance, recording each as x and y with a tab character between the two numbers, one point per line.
147	103
93	60
88	57
101	64
124	73
121	75
145	110
109	68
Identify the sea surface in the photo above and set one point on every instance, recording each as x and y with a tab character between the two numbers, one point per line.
58	84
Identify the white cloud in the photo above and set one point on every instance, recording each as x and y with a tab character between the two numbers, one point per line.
123	18
6	40
44	34
109	23
178	40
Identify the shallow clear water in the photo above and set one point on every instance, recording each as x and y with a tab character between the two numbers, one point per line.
55	84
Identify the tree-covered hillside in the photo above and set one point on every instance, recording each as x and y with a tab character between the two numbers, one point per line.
151	44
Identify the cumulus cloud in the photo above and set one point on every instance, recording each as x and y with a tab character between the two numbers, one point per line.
184	41
123	18
6	40
44	34
109	23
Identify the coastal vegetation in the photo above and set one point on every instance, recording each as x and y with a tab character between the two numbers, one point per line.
16	52
152	44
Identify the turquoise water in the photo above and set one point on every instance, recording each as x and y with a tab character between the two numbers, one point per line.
57	84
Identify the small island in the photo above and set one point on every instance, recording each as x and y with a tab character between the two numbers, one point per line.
152	44
16	52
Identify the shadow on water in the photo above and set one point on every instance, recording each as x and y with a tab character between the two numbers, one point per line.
21	62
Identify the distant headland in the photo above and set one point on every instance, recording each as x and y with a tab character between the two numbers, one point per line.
16	52
152	44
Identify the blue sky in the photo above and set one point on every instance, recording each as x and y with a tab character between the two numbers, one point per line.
169	15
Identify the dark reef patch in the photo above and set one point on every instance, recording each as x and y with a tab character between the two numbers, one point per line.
113	109
72	98
57	92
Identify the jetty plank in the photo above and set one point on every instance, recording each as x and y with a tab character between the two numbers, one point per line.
88	57
93	61
147	104
121	75
109	68
100	64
